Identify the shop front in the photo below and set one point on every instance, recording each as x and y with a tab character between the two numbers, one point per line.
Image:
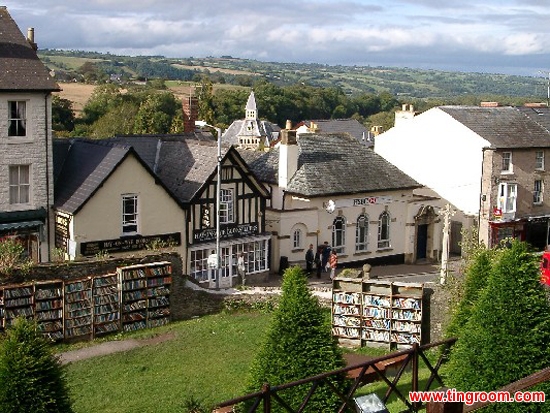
27	228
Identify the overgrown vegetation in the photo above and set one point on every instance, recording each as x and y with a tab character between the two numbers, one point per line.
298	344
12	256
31	377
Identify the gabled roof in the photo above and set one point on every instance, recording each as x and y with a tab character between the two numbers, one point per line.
20	67
505	127
84	168
332	164
257	128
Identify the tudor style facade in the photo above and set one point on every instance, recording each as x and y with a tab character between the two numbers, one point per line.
26	182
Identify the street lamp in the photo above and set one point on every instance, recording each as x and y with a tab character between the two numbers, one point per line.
202	124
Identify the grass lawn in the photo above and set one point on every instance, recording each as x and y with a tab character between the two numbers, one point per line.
206	359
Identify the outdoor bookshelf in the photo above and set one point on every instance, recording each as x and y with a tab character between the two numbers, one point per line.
131	298
376	313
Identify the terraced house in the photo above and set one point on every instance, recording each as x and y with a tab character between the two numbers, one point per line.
26	166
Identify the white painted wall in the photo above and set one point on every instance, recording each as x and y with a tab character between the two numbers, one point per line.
440	153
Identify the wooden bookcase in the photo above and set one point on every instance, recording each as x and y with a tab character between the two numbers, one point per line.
134	297
377	313
79	309
106	304
48	309
145	295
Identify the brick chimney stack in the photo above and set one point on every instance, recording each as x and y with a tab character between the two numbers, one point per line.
190	107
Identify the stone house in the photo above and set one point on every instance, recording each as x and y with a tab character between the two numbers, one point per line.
487	161
329	187
26	167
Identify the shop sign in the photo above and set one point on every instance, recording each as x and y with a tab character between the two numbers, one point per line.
132	243
227	231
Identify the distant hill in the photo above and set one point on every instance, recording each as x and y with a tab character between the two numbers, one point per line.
353	80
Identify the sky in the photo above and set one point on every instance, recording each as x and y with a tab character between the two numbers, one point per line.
486	36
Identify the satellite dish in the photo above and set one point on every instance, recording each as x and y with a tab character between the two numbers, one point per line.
331	206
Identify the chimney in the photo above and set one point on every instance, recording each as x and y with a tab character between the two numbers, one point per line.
190	107
30	38
288	124
288	157
489	104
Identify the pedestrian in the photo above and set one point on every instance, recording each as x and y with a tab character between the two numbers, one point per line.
318	261
241	269
310	258
325	255
333	262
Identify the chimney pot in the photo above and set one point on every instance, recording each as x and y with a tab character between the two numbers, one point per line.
288	124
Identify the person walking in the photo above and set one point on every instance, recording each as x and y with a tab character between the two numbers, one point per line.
310	258
318	262
325	255
241	269
333	262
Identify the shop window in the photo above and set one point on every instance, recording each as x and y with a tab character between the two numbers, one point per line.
537	192
339	234
17	118
362	233
507	194
384	230
226	206
129	214
20	184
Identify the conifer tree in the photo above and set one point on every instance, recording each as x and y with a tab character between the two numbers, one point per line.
31	377
506	336
298	345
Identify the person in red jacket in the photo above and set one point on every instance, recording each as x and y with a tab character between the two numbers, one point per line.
333	262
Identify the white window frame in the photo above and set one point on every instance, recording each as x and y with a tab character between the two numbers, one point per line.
362	233
130	218
507	197
297	238
506	166
538	191
17	118
339	234
226	211
384	230
19	184
539	160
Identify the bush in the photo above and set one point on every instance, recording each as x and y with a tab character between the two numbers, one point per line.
298	345
31	377
12	255
507	333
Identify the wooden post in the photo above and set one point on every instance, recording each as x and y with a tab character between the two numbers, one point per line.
444	407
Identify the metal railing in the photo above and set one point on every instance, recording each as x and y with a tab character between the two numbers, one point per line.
263	400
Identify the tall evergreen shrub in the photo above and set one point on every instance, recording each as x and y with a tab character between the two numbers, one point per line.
507	334
298	345
31	377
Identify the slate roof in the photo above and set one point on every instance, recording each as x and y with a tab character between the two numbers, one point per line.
505	127
351	126
258	128
540	115
83	169
20	67
332	164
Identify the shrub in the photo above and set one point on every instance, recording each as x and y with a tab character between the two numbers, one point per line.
507	333
12	255
298	345
31	377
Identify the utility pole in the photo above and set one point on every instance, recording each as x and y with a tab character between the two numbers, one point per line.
447	213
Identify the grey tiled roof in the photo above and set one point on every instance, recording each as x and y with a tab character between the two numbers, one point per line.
259	128
332	164
351	126
540	115
504	127
86	165
20	67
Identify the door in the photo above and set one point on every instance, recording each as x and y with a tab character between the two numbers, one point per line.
226	268
421	241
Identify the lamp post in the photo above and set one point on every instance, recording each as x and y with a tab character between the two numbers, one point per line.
201	124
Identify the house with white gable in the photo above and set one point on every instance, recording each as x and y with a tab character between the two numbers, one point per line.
330	187
26	166
487	161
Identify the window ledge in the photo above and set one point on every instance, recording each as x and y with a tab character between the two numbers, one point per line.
19	140
384	249
359	253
